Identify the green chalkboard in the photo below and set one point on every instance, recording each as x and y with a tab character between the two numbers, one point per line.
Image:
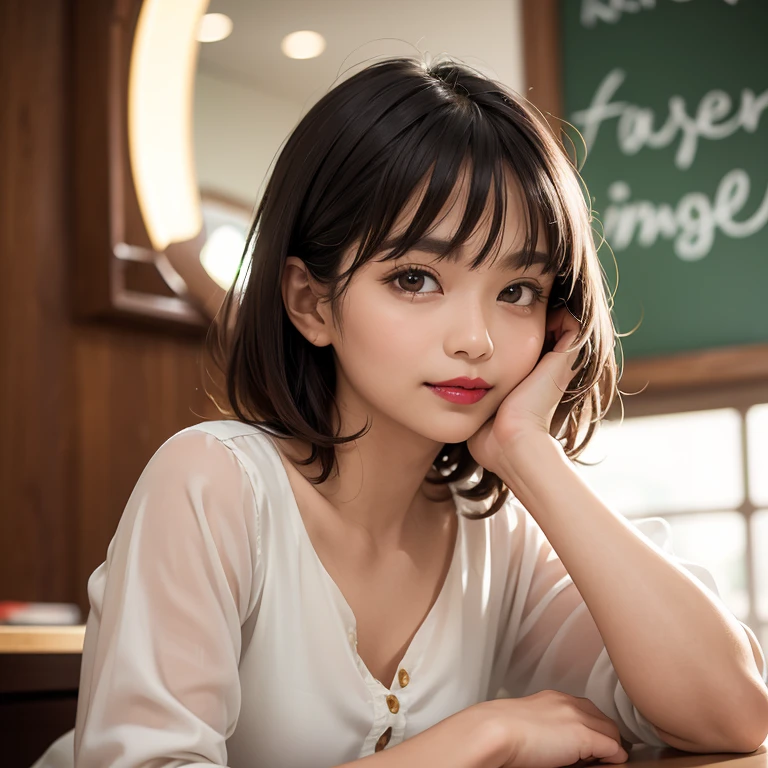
672	99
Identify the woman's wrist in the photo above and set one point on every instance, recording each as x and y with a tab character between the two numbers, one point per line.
492	733
470	738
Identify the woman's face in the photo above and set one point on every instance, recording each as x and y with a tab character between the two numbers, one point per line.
401	332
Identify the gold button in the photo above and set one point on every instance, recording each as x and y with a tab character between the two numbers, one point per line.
383	739
393	704
402	676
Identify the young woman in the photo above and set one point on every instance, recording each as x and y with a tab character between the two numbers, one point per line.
384	552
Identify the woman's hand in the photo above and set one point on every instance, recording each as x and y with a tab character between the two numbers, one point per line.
551	729
530	406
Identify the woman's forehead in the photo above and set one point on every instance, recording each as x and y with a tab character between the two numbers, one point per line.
513	230
511	249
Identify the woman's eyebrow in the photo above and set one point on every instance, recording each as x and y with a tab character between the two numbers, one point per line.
514	260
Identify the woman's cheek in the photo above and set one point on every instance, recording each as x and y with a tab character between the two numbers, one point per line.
533	349
523	355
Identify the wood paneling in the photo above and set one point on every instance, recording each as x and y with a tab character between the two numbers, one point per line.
134	390
82	406
37	382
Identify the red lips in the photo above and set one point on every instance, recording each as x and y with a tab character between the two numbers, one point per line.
463	382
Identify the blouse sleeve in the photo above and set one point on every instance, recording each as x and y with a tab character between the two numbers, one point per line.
159	683
558	645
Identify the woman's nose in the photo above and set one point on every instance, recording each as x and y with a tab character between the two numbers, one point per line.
469	334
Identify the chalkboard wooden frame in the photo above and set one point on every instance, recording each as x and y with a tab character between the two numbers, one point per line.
542	61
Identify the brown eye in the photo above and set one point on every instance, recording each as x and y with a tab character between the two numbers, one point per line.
523	294
412	280
409	280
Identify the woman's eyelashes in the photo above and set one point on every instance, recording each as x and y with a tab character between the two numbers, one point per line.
523	294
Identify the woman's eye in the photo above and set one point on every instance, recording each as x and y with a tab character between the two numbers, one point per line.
530	293
412	280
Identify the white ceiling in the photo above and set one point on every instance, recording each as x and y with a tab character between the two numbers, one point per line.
484	33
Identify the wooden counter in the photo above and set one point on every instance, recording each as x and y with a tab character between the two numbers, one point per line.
48	639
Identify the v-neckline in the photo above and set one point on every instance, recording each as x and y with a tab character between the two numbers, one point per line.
417	641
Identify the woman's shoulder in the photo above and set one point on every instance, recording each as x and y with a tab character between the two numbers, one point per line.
203	479
222	452
209	439
224	430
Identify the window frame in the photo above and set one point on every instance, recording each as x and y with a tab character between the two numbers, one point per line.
740	396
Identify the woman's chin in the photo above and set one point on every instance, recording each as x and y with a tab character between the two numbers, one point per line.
457	434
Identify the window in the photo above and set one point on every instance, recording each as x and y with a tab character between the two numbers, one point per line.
699	461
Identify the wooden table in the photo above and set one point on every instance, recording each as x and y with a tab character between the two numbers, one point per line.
643	756
40	673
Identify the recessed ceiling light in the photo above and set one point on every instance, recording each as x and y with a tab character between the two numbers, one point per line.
214	27
304	44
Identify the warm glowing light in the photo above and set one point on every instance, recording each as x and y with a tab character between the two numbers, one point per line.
304	44
214	27
221	254
160	97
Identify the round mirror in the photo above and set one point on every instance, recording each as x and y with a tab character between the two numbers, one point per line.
262	65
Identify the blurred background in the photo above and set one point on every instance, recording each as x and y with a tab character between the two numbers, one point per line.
136	139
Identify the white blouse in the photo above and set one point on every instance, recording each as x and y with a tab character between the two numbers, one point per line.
217	638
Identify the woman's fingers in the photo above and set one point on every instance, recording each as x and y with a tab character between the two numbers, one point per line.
601	722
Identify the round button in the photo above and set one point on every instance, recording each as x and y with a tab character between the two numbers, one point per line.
384	739
393	704
352	638
402	676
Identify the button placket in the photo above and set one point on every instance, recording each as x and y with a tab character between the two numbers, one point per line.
392	717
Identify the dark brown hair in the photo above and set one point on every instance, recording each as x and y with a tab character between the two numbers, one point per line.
345	173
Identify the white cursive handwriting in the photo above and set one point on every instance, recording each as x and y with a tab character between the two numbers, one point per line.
611	11
692	224
634	129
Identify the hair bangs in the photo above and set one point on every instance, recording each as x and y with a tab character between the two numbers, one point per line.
476	160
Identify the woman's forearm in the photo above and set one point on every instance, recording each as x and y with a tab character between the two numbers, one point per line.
680	654
467	739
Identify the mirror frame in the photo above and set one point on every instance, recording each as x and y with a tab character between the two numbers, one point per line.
117	275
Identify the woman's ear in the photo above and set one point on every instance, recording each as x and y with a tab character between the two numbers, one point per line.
302	303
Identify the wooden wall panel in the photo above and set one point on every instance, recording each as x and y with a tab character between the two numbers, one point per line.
37	416
134	390
82	406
